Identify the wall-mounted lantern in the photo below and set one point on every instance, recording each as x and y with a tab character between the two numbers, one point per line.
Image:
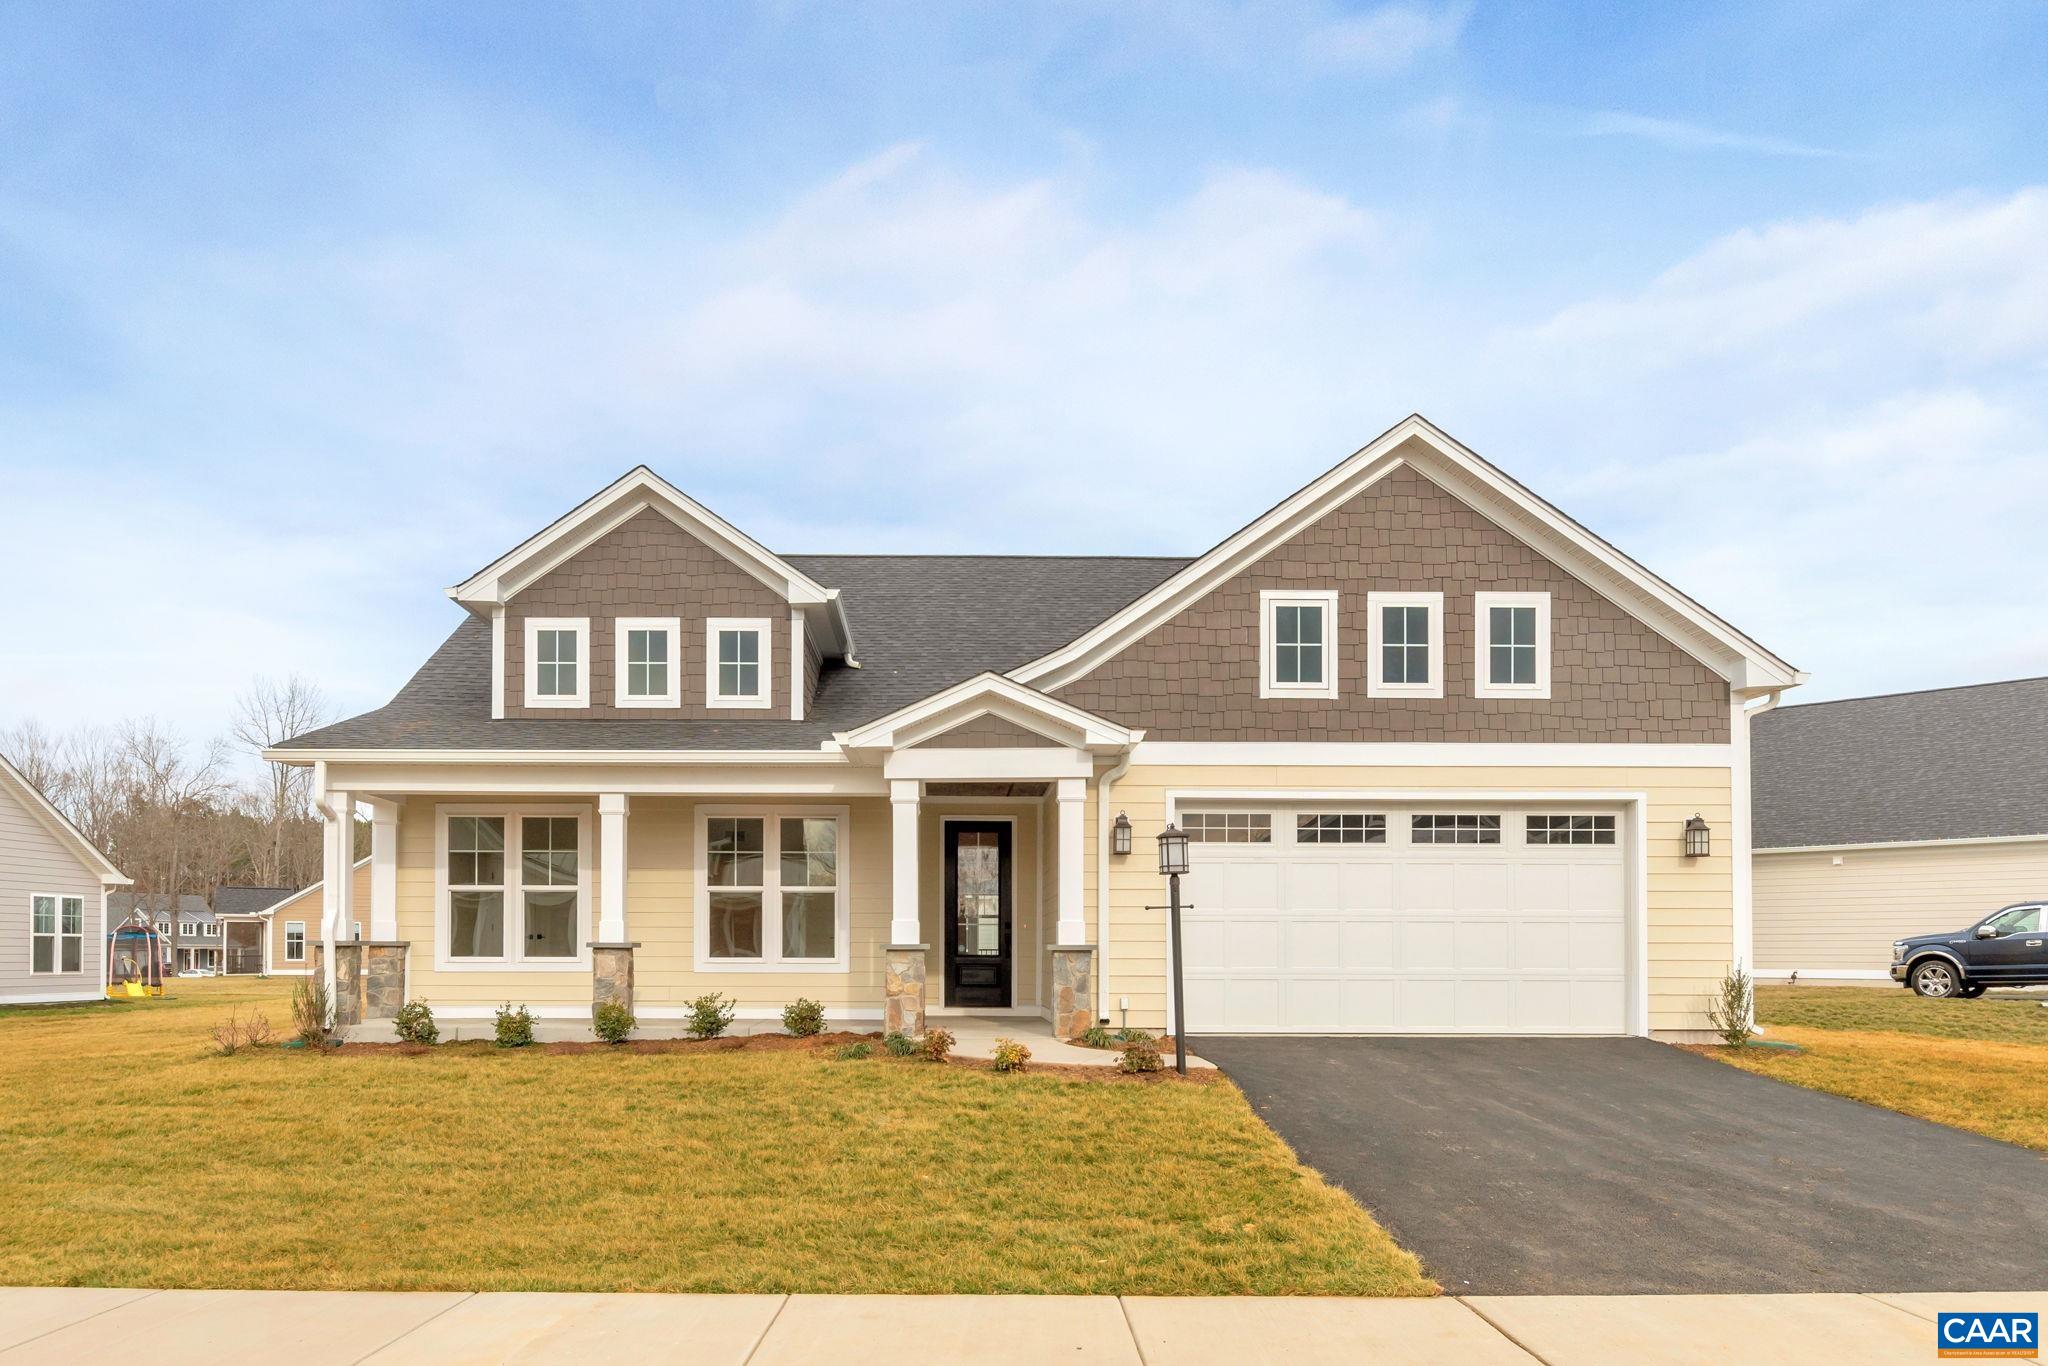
1699	840
1120	835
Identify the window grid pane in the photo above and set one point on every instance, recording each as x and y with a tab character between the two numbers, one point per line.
1454	829
1298	644
1229	827
557	667
1511	646
1345	827
1559	830
548	848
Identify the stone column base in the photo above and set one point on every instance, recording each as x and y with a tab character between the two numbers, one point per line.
383	979
1073	990
903	989
611	974
348	984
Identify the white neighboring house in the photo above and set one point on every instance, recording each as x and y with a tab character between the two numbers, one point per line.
1878	818
53	900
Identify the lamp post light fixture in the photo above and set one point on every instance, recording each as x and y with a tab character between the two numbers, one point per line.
1120	835
1173	861
1699	840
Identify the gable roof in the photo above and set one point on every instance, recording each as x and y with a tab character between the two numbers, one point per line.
990	694
58	824
1417	442
248	900
1949	763
927	622
640	488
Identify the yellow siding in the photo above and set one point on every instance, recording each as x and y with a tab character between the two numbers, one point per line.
1691	916
1813	915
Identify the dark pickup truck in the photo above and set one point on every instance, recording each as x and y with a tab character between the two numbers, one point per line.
2005	949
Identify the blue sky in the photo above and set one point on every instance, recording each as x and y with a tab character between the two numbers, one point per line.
306	311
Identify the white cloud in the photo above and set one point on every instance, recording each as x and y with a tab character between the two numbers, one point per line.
1693	137
1389	38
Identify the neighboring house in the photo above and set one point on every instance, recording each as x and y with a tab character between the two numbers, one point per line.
1883	817
198	935
1436	744
289	924
53	900
244	926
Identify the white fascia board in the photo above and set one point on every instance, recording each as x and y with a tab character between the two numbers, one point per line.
1960	842
1652	596
401	778
60	825
986	765
551	757
604	512
983	693
1444	754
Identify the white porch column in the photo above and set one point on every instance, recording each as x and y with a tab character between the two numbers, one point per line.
1073	795
611	863
903	919
337	873
383	869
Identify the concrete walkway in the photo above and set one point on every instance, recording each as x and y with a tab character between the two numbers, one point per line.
331	1328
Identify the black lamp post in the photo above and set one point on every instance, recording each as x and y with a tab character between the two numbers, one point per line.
1173	861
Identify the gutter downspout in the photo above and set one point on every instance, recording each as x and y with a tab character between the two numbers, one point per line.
1104	785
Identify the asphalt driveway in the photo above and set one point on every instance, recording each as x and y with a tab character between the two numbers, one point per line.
1610	1166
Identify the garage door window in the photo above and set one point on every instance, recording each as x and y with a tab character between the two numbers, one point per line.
1229	827
1455	830
1571	829
1340	827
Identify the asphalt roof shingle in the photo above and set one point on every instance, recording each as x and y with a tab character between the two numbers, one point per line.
920	622
247	900
1951	763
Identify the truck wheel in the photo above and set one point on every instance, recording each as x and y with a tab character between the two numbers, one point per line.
1937	980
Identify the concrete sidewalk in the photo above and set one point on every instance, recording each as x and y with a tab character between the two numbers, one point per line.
332	1328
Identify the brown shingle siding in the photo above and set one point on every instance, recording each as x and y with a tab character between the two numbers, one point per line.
1612	679
647	567
986	732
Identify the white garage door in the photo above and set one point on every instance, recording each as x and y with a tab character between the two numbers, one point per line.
1328	918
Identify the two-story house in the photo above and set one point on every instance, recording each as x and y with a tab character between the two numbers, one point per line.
1450	761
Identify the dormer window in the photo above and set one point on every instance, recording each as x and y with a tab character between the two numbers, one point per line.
738	664
557	661
1298	644
1406	638
648	670
1513	639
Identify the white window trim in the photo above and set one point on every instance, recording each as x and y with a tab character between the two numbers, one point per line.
764	636
771	892
1269	600
514	959
622	628
1482	633
57	968
288	941
1375	635
534	626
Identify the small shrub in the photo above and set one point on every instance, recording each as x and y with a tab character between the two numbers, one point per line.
803	1018
612	1022
935	1044
309	1010
898	1045
256	1030
515	1026
710	1016
852	1052
1131	1036
1140	1057
1010	1056
1732	1010
415	1023
227	1035
1095	1036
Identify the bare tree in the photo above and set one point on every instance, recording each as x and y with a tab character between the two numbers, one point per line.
39	755
168	791
97	783
268	714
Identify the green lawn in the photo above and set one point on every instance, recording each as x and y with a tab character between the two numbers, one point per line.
1980	1065
131	1155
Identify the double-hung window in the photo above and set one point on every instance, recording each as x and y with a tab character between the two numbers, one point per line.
558	661
738	662
1513	639
773	891
1405	644
294	941
1297	644
515	887
647	671
56	933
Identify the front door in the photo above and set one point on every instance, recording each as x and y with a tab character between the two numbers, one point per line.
978	941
